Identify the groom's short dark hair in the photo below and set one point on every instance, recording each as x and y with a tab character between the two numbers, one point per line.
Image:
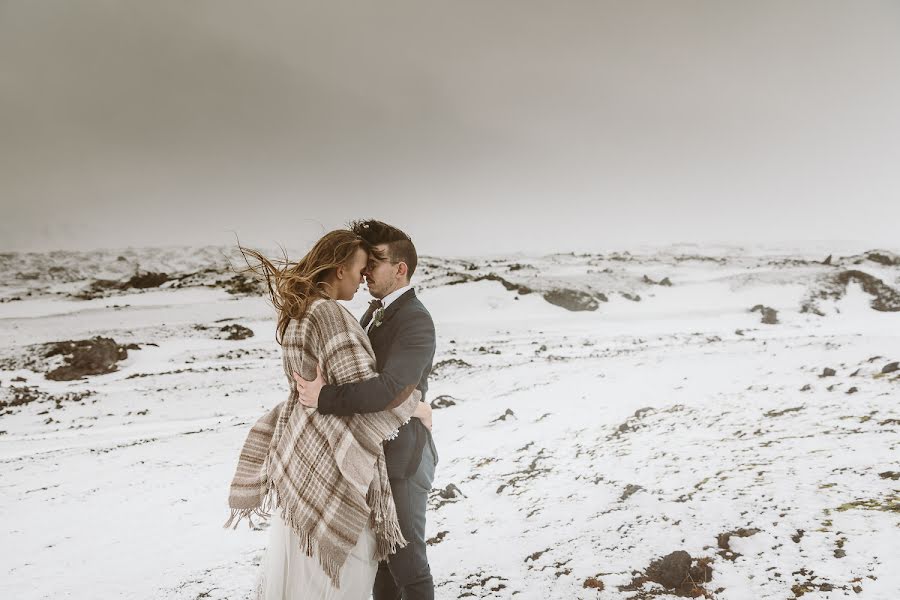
400	245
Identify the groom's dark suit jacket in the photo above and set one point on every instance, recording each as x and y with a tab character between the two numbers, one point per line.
404	345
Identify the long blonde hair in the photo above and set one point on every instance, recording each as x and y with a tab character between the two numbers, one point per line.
293	286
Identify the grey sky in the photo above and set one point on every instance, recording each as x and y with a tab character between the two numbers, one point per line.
478	126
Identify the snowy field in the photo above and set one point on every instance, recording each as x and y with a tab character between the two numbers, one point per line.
595	413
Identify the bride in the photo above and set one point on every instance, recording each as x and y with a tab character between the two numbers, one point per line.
323	475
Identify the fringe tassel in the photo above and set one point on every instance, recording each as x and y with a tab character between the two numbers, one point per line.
388	536
238	514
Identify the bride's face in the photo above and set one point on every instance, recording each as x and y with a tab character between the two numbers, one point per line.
353	273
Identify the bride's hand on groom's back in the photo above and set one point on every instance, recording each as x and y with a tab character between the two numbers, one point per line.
423	413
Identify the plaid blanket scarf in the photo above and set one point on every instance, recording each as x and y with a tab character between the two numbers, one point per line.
326	473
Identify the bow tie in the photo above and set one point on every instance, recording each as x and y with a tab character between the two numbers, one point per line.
373	306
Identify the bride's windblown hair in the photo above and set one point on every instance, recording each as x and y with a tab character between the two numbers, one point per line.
293	286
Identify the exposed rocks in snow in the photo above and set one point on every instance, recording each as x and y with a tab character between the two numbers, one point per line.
769	315
228	332
663	282
242	284
447	495
519	288
95	356
22	395
883	257
828	372
629	490
677	573
778	413
574	300
145	280
593	582
632	423
448	366
834	287
443	401
504	416
437	539
237	332
890	367
723	539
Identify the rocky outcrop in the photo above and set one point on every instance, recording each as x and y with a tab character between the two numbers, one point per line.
574	300
95	356
834	287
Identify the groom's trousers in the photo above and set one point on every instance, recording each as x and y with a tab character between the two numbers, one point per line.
406	574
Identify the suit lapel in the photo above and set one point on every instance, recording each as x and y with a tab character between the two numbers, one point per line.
392	309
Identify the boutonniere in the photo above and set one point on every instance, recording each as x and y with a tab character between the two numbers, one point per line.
378	317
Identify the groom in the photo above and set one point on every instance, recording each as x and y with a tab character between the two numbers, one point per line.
402	335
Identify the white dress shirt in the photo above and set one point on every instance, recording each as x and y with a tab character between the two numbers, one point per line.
386	301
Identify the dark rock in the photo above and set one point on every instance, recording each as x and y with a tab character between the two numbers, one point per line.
671	570
449	363
890	367
243	285
629	490
573	300
443	401
96	356
827	261
723	540
504	416
883	257
892	475
769	315
828	372
450	492
806	388
852	390
778	413
665	281
437	539
97	288
524	290
237	332
146	280
886	299
593	582
833	287
632	297
19	396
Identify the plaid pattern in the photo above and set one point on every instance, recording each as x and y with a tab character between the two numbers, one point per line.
326	473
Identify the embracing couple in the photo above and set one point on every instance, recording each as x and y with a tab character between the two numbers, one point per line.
347	461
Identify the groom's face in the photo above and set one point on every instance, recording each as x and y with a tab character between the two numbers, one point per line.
382	275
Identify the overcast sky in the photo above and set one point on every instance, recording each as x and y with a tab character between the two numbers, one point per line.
486	126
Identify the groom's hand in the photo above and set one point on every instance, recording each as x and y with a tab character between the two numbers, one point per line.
309	390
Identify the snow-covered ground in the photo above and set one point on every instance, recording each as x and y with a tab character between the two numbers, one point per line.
577	447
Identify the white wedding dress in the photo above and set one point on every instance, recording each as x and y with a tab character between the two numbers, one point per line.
288	574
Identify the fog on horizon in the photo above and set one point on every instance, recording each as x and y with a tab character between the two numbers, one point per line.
477	127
